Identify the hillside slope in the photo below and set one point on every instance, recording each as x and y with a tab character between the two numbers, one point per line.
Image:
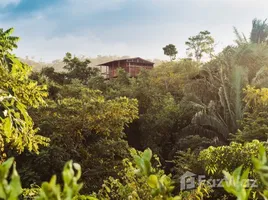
58	64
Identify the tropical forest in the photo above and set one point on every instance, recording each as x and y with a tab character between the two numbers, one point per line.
192	128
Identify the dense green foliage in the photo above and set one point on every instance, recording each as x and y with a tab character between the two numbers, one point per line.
237	183
10	185
216	159
135	137
17	92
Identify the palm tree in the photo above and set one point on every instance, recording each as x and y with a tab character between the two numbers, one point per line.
226	76
258	34
259	31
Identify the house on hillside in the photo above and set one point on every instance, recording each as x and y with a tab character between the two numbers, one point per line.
131	65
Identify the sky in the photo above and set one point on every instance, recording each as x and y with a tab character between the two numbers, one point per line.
50	28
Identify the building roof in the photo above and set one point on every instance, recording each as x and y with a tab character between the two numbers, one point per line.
105	64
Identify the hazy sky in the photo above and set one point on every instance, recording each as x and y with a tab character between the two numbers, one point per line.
50	28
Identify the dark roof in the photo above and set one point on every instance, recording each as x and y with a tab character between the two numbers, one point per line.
104	64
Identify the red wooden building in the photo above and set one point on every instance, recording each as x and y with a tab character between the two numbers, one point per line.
131	65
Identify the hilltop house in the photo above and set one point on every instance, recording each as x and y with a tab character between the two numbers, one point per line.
131	65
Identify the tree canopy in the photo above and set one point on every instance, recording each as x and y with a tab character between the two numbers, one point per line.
135	137
171	51
201	44
17	93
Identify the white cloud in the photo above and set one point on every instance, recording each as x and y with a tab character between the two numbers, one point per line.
4	3
38	32
42	35
79	7
49	49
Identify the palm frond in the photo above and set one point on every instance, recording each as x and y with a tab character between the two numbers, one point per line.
261	78
240	39
259	31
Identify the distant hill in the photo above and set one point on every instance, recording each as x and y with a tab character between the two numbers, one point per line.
58	64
